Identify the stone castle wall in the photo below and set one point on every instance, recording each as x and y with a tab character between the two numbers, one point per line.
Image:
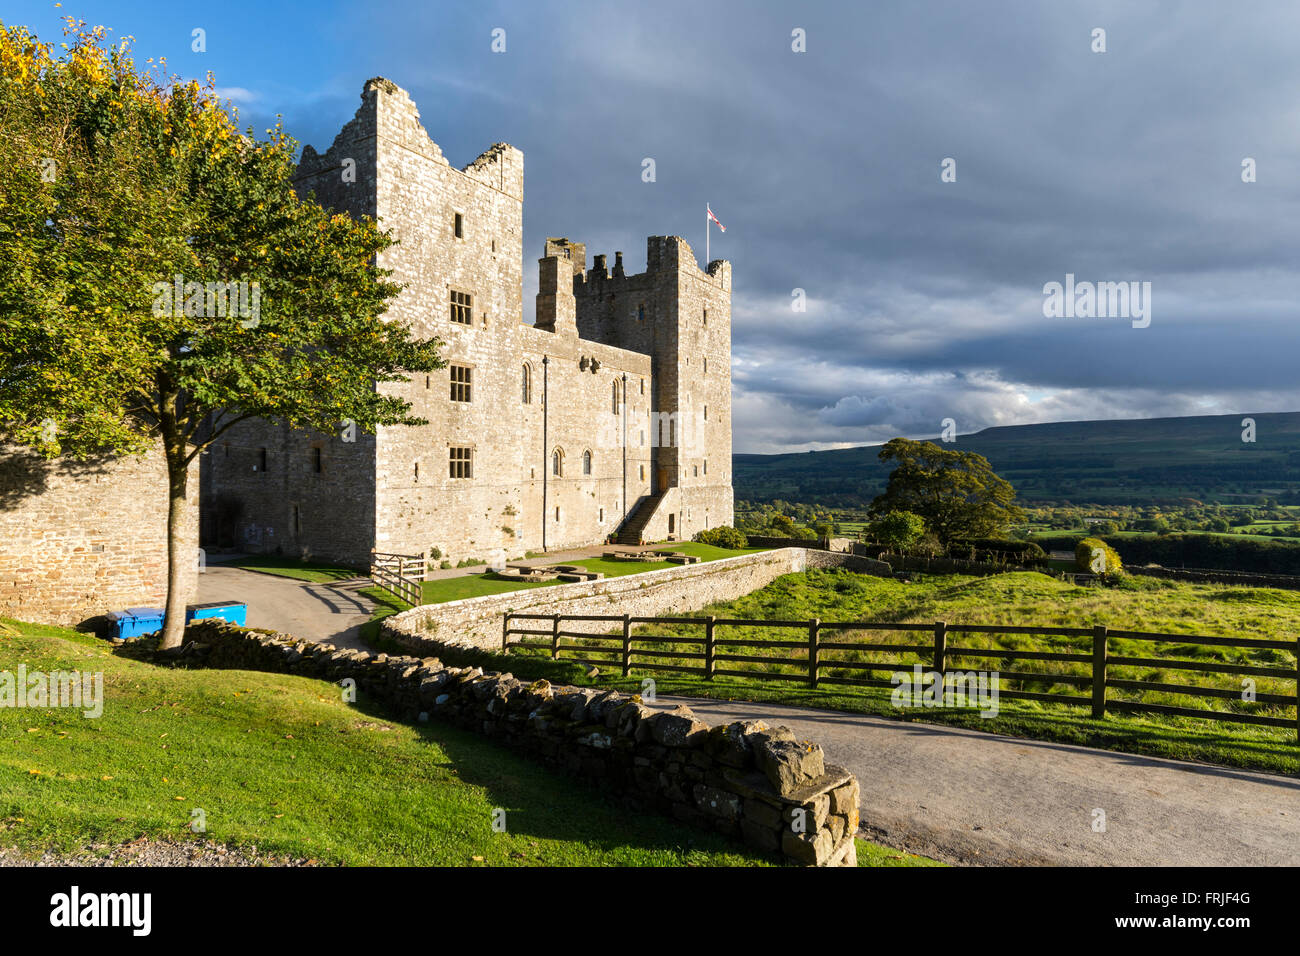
80	539
633	403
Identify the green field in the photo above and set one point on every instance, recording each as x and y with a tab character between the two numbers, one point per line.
1009	599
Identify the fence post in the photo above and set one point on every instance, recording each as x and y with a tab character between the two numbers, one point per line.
627	645
1099	671
555	637
940	645
1297	688
708	647
813	627
505	633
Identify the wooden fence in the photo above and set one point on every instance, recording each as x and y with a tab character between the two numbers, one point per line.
398	574
820	644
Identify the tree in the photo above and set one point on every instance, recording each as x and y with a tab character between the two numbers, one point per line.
957	493
160	280
898	529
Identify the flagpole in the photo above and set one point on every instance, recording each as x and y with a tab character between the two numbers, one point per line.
707	230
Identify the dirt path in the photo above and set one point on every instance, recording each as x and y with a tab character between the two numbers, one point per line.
971	797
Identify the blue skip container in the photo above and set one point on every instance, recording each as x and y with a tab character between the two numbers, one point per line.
135	621
232	611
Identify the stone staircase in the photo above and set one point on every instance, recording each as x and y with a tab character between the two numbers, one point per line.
631	530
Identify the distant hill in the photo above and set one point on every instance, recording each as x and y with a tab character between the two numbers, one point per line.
1132	461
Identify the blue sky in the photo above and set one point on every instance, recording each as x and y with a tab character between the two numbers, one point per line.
924	297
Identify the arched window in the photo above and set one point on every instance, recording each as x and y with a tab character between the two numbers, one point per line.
614	396
527	384
586	462
557	463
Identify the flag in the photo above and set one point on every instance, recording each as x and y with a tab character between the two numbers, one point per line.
721	227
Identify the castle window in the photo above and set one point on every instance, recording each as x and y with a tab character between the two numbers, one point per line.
642	386
315	459
602	516
643	473
706	466
527	385
417	471
706	366
643	436
614	396
460	383
458	226
706	316
586	462
697	471
557	512
261	461
462	307
461	461
227	447
640	312
706	413
557	463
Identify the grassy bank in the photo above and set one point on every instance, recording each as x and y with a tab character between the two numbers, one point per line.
282	762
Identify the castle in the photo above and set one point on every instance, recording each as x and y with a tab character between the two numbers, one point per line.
610	417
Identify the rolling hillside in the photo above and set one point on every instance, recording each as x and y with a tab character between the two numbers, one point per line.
1155	460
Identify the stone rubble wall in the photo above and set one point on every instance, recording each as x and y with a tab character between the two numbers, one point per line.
81	538
744	780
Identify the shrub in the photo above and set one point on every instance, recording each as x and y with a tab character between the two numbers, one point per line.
723	537
898	529
1086	553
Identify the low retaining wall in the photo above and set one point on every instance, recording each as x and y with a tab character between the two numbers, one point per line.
744	780
477	621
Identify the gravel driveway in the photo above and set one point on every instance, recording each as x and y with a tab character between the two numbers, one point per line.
971	797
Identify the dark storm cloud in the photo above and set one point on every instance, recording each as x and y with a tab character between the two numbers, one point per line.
925	298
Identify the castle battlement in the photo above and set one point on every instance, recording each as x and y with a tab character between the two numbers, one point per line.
615	405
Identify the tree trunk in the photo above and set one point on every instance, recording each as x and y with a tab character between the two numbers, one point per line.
180	559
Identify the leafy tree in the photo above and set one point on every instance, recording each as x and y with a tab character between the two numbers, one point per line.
898	529
956	493
116	182
1095	556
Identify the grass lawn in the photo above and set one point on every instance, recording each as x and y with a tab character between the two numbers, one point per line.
1143	604
282	762
476	585
292	568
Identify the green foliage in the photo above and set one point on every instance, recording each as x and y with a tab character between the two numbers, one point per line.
121	184
1097	557
723	537
1214	552
897	529
955	492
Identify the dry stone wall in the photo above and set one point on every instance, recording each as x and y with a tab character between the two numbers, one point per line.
750	782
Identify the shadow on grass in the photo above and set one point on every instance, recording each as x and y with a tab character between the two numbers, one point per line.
545	802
